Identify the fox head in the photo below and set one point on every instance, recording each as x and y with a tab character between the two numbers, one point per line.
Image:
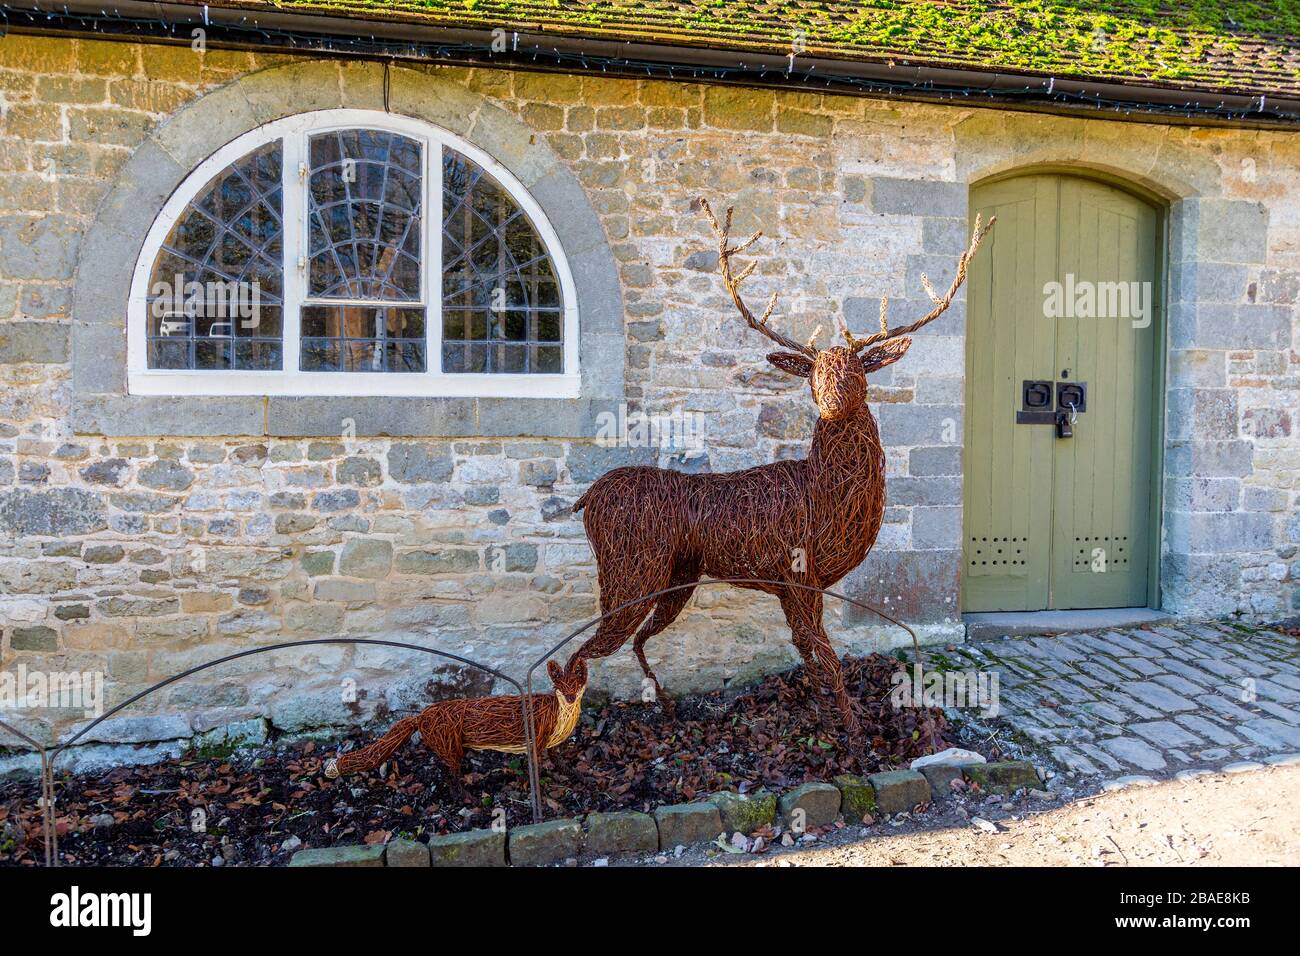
571	683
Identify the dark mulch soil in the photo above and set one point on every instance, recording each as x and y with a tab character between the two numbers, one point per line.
1290	627
624	755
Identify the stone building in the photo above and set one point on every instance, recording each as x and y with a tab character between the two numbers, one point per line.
347	454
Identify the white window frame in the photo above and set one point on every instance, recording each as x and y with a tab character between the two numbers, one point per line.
294	132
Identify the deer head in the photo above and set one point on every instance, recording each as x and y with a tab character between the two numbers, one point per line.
837	375
571	683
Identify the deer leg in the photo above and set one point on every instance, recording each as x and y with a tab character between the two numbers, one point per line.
800	635
667	609
632	529
623	616
612	633
803	612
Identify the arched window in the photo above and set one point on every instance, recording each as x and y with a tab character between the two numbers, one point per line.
302	259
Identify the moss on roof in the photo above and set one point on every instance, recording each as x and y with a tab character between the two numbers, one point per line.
1227	44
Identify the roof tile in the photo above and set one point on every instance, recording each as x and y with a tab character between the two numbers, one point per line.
1245	46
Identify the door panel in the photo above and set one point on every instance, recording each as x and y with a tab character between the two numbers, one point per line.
1101	530
1007	491
1059	522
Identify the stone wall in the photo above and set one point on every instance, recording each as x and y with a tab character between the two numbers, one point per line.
139	556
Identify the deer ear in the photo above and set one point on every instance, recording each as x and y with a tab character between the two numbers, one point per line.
886	354
581	670
792	363
553	669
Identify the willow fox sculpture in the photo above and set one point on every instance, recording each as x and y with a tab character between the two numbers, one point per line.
450	727
805	522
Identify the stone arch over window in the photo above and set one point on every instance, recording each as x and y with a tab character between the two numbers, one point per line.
460	367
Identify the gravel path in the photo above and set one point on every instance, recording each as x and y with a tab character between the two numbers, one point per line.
1223	819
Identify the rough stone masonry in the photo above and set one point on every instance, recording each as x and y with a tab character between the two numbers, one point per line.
139	537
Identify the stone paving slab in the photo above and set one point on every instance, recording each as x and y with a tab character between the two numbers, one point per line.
1156	697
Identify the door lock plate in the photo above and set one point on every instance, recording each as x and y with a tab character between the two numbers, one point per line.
1038	408
1035	403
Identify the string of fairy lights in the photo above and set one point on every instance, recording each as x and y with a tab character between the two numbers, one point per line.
517	51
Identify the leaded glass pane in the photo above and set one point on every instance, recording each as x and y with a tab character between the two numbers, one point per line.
362	338
364	212
501	305
215	293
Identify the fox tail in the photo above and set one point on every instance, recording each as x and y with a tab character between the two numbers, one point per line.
367	758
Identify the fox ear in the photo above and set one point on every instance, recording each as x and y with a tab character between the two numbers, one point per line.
553	669
792	363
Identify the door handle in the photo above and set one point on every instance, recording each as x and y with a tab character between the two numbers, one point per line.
1072	393
1036	405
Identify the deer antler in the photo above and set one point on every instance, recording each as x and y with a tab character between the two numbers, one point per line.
849	337
732	281
941	302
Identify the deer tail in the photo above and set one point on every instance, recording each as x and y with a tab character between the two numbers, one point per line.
581	502
367	758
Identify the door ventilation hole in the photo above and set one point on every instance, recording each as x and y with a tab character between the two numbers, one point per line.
998	552
1114	546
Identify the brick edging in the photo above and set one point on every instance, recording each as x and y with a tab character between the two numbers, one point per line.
602	834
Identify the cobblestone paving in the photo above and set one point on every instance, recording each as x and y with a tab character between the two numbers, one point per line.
1153	698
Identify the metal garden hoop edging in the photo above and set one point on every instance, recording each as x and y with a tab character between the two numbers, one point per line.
534	783
50	755
47	790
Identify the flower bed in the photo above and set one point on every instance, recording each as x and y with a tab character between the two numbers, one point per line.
261	806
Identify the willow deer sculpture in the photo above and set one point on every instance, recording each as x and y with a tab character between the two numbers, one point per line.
805	522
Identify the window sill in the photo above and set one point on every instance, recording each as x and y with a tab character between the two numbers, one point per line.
359	416
351	385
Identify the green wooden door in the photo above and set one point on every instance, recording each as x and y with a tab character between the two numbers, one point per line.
1057	522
